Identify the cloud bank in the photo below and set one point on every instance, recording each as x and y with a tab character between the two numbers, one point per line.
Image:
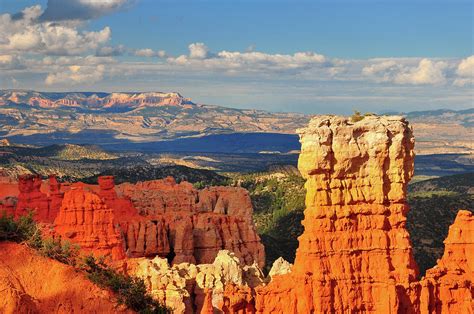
53	48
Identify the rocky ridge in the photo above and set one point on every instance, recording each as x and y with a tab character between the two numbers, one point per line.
355	254
92	100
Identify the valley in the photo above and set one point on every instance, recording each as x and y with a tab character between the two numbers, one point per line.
156	122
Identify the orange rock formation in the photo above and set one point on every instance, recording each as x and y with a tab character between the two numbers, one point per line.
86	220
199	222
31	198
146	219
355	254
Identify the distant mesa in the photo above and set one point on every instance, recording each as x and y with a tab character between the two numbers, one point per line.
93	100
167	121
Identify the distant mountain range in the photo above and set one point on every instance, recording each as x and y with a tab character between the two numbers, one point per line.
143	121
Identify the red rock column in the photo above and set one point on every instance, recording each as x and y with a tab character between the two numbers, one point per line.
86	220
31	198
355	249
449	286
55	196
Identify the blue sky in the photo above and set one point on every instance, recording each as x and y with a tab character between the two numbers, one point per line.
307	56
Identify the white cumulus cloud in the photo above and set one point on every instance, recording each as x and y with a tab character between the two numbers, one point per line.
28	35
198	51
200	58
147	52
465	72
76	74
427	72
401	71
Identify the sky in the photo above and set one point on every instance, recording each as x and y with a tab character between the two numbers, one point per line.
300	56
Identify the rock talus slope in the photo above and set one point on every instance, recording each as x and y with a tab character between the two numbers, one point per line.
30	283
355	254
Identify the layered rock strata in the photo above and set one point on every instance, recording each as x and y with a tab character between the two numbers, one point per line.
198	223
85	219
355	254
148	219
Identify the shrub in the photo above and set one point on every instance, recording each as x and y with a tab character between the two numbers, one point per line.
199	185
22	230
131	291
62	251
357	116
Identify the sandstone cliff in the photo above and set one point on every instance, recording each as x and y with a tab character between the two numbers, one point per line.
355	254
86	220
199	222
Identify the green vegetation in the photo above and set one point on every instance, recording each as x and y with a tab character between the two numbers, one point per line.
74	152
62	251
213	182
273	198
22	230
133	174
434	204
357	116
419	178
278	201
430	194
25	230
131	291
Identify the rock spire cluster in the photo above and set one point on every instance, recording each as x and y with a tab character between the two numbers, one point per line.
154	218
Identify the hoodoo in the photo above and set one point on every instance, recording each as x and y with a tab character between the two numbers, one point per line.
85	219
355	254
159	217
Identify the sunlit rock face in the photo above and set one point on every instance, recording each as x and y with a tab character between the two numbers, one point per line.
198	223
355	254
153	218
86	220
186	287
449	286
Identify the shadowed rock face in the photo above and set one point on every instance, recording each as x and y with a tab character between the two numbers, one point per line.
355	254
